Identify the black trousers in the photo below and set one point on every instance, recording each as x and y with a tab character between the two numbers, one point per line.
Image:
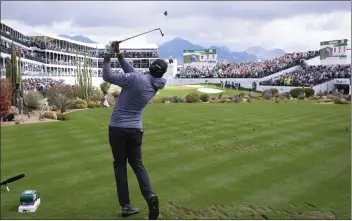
126	145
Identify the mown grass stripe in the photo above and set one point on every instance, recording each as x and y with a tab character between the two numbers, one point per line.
72	160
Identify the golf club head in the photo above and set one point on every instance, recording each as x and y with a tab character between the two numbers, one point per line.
161	32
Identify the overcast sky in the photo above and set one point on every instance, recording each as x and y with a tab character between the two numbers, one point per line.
292	26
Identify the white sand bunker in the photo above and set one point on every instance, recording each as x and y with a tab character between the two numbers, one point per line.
209	90
193	85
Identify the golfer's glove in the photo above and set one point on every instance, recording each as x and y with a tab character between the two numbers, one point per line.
106	58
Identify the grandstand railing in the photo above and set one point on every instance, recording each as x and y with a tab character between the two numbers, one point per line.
3	34
280	73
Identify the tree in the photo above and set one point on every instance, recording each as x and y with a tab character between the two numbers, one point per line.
104	87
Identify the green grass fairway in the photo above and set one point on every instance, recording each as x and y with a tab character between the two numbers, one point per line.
260	160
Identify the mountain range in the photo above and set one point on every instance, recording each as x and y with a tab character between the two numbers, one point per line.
175	47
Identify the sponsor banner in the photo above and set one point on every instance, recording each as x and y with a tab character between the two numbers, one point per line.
199	57
342	81
335	48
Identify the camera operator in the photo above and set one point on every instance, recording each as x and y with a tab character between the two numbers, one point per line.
125	128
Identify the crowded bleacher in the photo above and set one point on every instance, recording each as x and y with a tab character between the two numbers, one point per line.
310	76
40	84
59	64
37	48
249	69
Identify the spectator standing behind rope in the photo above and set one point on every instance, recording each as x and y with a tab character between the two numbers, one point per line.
125	129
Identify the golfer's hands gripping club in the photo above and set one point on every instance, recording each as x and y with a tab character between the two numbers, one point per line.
116	47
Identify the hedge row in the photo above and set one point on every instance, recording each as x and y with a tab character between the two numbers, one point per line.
302	92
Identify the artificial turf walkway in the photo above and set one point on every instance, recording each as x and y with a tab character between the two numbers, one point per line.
257	160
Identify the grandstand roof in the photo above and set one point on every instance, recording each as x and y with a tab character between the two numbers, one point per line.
124	45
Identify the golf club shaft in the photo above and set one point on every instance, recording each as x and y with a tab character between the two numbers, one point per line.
12	179
142	34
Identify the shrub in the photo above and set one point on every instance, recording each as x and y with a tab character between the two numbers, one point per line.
32	100
72	104
249	100
226	97
277	101
296	91
50	115
213	99
314	98
116	94
6	92
204	97
237	99
176	99
271	92
337	94
192	98
282	96
274	90
267	96
62	117
340	101
225	101
252	95
348	97
61	102
81	104
301	96
104	87
156	101
220	95
287	95
326	100
65	90
91	104
164	99
53	108
241	94
309	92
96	96
111	100
320	94
182	100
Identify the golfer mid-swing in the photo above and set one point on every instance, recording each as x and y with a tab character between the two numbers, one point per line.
125	129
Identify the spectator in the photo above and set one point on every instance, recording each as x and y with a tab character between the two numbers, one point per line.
40	84
249	69
310	76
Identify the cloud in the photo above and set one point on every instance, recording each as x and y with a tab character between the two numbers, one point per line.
96	13
292	26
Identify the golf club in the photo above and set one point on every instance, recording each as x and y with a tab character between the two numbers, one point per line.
162	34
12	179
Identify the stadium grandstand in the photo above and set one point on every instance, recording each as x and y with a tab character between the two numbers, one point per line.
46	56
